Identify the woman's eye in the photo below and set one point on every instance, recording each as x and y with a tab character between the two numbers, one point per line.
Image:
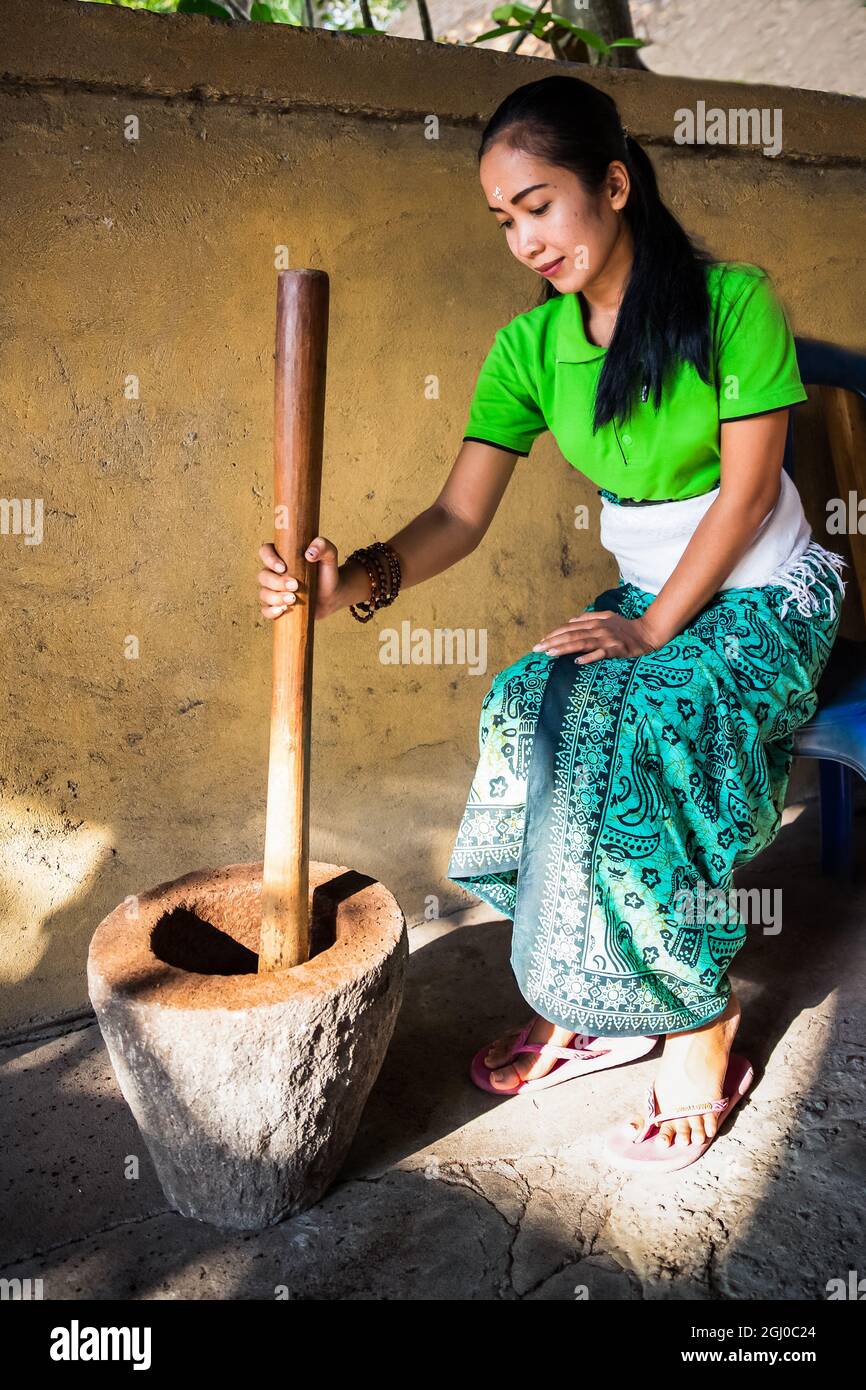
535	212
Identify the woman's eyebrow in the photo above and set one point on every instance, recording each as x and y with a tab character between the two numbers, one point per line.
516	199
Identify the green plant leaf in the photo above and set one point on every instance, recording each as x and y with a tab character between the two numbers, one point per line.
280	13
628	43
522	12
494	33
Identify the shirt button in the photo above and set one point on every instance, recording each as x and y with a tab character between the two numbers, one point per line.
626	439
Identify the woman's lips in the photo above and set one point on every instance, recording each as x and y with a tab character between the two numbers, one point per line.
552	268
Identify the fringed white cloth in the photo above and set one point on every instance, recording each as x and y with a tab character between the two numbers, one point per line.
803	583
648	542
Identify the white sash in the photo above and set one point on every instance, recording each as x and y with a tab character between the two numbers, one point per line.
648	542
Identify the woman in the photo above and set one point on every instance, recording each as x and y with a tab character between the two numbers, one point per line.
641	751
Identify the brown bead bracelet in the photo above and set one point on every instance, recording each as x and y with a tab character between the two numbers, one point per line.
382	564
380	588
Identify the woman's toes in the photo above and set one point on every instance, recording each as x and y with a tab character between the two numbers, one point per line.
667	1133
683	1131
698	1132
497	1052
505	1078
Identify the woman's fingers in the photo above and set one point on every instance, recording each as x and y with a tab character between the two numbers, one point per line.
278	591
268	597
276	588
269	556
321	551
572	640
280	583
582	626
320	548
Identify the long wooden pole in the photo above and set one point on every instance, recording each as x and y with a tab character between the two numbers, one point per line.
299	417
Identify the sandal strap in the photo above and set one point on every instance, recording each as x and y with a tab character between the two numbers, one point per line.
707	1107
566	1053
655	1119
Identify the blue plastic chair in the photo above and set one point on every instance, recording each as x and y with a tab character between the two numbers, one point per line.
837	734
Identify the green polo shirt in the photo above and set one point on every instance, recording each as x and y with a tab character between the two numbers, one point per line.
542	371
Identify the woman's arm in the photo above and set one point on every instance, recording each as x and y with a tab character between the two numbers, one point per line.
440	536
752	452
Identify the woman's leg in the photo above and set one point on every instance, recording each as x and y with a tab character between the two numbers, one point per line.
592	808
647	780
487	849
695	1061
692	1071
651	782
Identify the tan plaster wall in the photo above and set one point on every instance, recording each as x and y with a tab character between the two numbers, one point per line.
157	258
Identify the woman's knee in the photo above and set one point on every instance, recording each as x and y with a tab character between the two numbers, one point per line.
517	688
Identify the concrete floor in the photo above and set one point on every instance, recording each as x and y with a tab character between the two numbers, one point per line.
450	1194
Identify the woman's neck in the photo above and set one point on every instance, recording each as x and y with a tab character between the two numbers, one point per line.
598	327
604	295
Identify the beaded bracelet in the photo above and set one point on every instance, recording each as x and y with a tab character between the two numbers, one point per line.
382	564
380	589
381	554
393	561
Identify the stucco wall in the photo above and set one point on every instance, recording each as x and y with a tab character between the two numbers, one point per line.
156	258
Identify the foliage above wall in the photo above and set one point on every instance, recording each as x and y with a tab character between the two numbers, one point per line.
320	14
567	40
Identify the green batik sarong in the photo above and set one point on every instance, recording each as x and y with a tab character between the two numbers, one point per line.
612	799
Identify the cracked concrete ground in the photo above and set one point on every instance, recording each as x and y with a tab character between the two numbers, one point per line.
451	1194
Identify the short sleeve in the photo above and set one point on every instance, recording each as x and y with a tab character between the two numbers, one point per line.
756	356
504	410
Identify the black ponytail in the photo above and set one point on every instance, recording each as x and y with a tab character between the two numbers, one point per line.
664	316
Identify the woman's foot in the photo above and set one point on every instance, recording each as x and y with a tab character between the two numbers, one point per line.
528	1066
692	1071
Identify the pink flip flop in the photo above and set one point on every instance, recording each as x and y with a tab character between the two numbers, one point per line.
578	1059
628	1148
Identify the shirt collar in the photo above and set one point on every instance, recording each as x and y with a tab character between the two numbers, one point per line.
572	344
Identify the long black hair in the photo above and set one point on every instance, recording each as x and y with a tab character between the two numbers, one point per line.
665	310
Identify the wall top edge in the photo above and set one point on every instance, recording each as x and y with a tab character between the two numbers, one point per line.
64	43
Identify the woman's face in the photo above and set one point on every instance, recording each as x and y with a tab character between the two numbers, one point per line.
547	218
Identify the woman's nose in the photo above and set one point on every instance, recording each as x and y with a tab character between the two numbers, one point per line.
530	250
